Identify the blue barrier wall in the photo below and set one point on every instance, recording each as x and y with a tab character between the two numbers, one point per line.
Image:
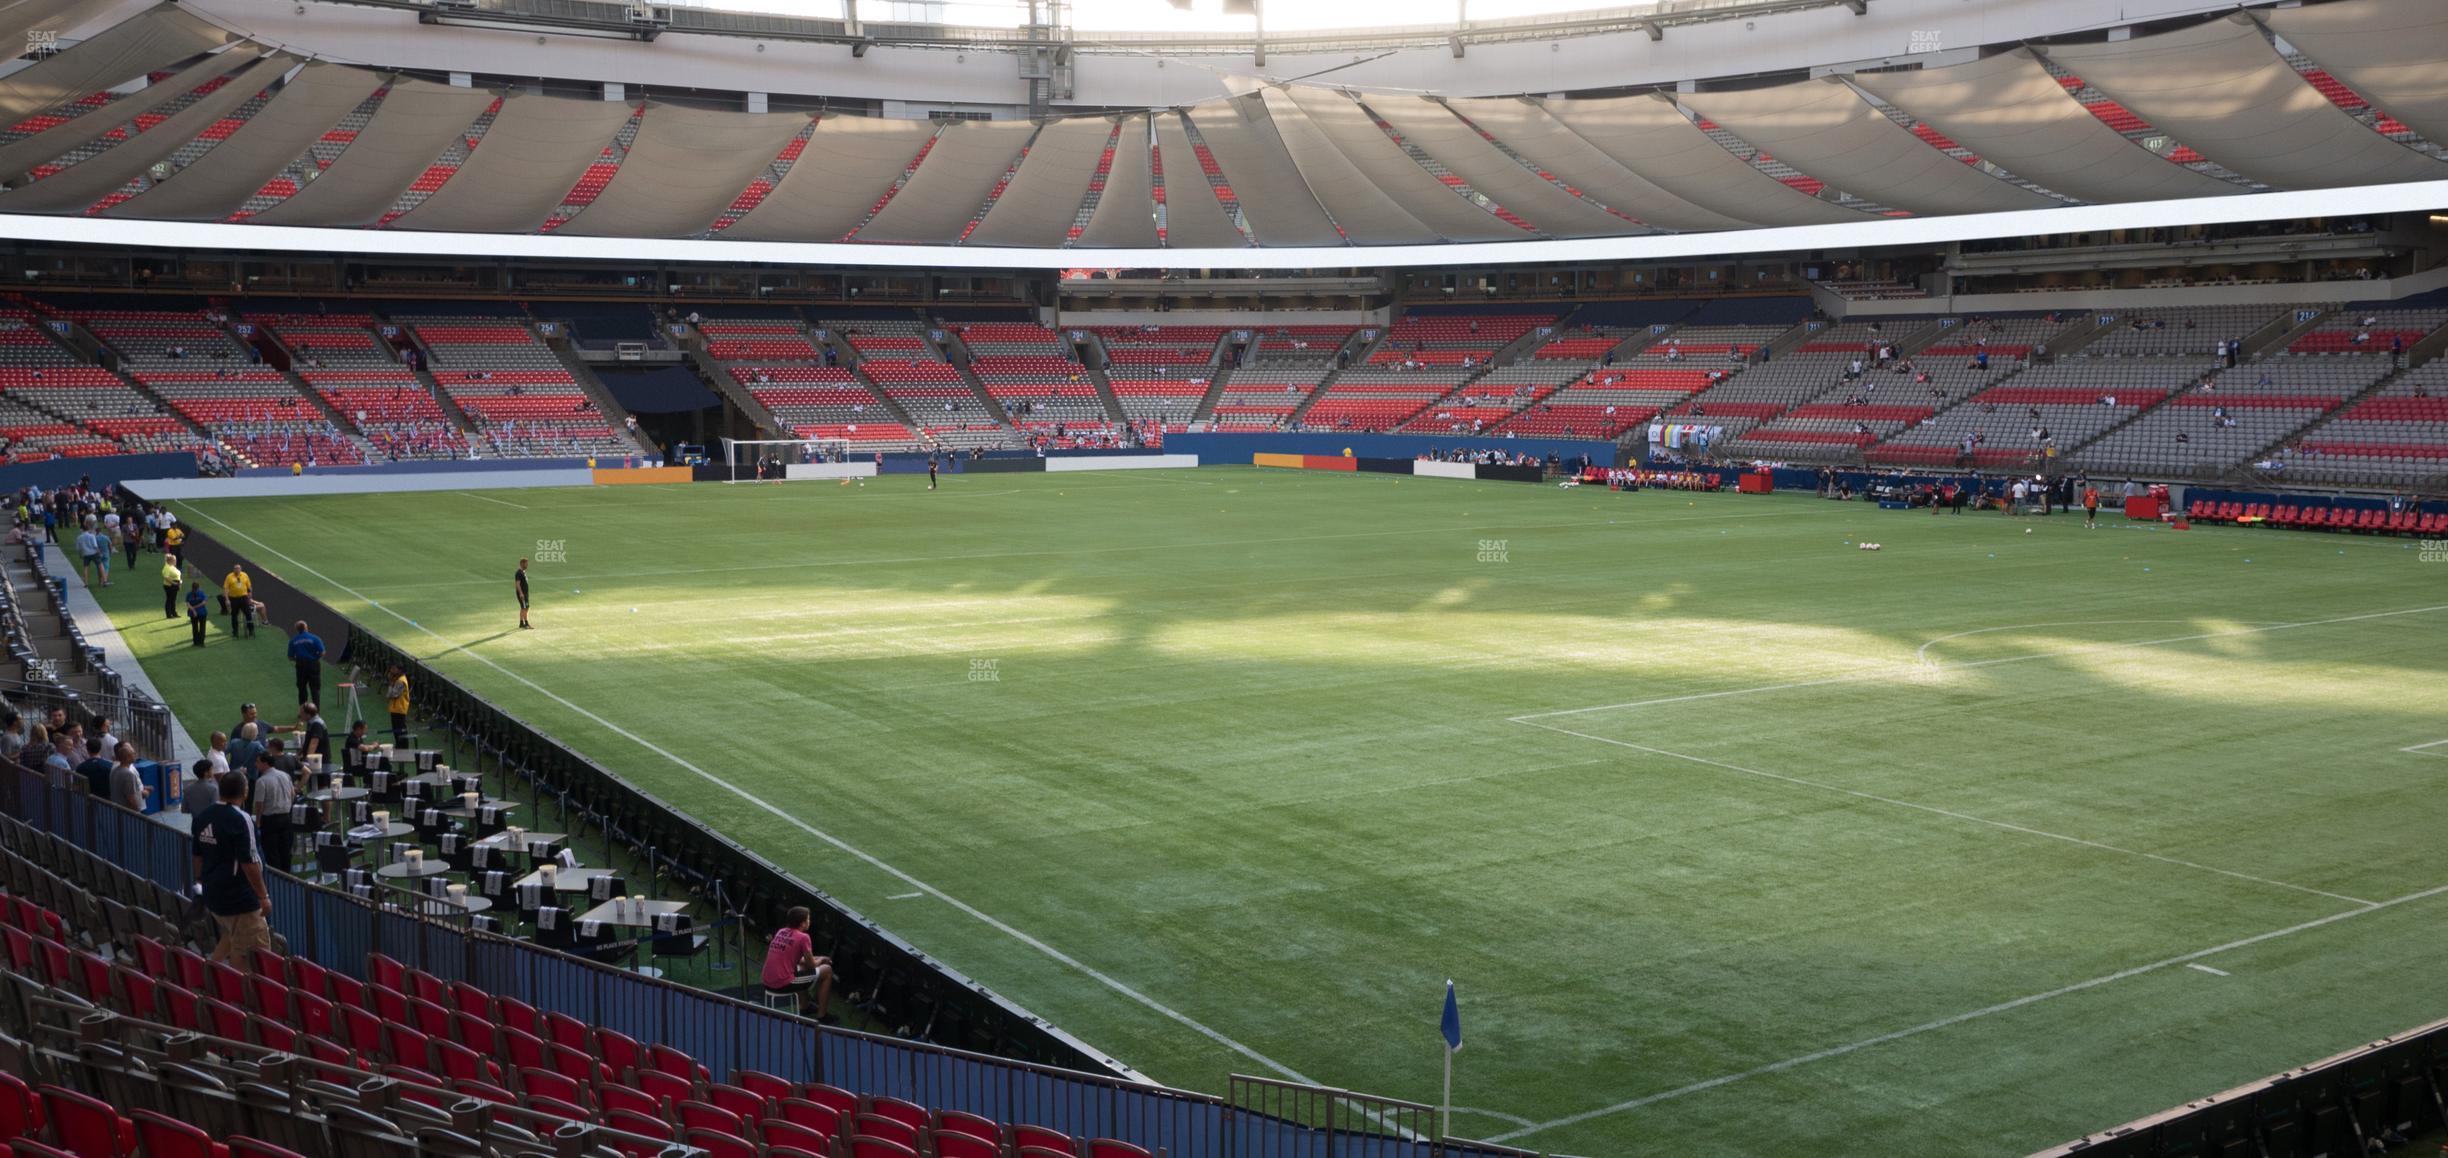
1215	449
109	469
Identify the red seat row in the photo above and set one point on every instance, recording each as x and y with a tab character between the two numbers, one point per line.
2370	519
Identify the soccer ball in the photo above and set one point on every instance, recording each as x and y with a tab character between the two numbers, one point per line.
633	611
2027	530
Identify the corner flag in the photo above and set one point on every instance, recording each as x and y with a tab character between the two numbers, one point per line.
1452	1025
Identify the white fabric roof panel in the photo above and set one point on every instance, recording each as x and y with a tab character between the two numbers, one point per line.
527	162
1126	212
414	124
1526	128
848	164
2222	89
1429	201
159	38
685	167
2008	109
2389	51
1651	138
221	180
1037	208
1193	217
77	187
1442	135
1274	200
939	200
1827	130
1354	200
19	158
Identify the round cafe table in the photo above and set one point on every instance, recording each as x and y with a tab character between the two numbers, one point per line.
430	867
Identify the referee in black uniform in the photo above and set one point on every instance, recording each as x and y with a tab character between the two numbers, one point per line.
930	470
518	580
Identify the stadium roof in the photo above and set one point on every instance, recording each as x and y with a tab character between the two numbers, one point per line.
169	117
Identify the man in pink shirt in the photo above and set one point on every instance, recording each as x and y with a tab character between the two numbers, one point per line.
791	963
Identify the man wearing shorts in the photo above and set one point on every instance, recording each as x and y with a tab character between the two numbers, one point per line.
518	583
791	963
2090	505
94	551
229	874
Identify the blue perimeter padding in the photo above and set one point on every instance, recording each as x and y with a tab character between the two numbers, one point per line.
1236	449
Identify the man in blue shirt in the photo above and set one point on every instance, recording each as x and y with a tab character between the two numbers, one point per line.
306	654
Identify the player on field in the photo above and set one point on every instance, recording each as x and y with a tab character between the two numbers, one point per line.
518	583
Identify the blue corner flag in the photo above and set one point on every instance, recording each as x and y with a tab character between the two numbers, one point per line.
1452	1024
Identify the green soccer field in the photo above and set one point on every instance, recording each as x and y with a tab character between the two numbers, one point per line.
1736	839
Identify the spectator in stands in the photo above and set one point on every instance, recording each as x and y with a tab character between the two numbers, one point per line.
306	657
395	698
198	792
96	769
244	747
127	786
12	735
791	964
272	793
229	874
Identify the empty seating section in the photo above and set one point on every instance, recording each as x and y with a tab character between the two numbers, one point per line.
1381	397
208	377
319	341
1040	390
51	405
2206	431
1160	351
1170	401
1604	403
523	400
2190	330
2004	336
2058	406
440	1043
732	340
989	338
1707	345
2361	329
1247	404
1452	339
2397	437
1296	345
938	399
903	339
825	402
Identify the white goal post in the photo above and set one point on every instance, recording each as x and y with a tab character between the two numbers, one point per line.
741	455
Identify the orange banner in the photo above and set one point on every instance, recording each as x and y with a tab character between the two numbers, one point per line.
635	476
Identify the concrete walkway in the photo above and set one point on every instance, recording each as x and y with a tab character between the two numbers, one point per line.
102	633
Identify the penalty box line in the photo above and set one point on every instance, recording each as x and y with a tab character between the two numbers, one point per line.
1968	1015
980	915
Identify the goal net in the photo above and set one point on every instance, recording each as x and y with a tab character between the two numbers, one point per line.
750	459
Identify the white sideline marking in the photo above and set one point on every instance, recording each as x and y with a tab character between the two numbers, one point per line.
980	915
1894	669
1970	1015
2425	749
486	499
1948	812
2209	970
1500	1116
904	896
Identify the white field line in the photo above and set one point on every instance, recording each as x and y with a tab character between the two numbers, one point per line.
972	911
1065	553
1949	813
2209	970
2425	749
1922	656
1968	1015
487	499
1892	669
